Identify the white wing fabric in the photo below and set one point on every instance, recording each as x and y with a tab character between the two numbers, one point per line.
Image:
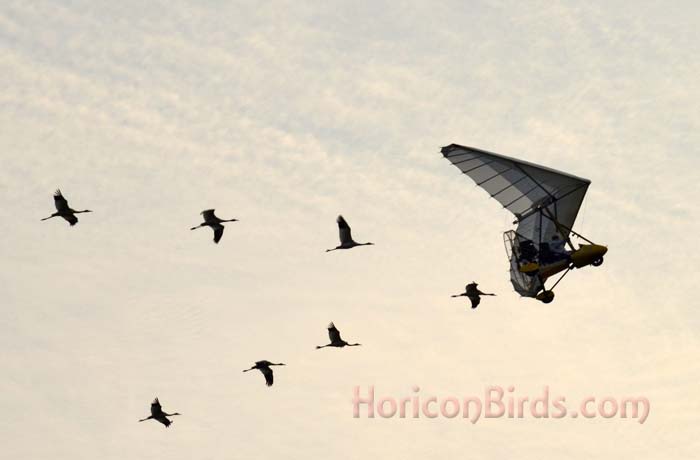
523	188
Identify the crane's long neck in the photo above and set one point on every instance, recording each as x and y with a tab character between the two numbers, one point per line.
147	418
354	344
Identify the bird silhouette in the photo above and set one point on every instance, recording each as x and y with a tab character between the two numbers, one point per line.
63	210
210	220
346	241
336	341
158	414
473	293
264	367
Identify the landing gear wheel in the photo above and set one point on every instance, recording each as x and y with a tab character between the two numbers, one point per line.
598	262
546	297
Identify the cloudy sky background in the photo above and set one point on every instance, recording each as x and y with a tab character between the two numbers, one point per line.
284	115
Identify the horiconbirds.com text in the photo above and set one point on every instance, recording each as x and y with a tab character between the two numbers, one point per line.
495	403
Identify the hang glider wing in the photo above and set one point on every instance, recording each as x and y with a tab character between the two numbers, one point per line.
525	189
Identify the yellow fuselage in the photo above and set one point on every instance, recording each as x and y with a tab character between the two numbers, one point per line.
586	254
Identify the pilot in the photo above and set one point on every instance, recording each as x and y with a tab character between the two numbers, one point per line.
528	252
557	248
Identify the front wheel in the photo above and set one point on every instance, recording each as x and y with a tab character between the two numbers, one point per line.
598	262
546	297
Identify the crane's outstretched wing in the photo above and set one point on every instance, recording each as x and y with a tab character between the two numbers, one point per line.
333	333
267	372
208	214
218	233
71	218
344	230
165	421
155	408
60	202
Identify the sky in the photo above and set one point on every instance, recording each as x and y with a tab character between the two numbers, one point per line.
284	115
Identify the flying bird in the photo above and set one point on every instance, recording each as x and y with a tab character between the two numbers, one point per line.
473	293
63	210
346	241
158	414
336	341
210	220
264	367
